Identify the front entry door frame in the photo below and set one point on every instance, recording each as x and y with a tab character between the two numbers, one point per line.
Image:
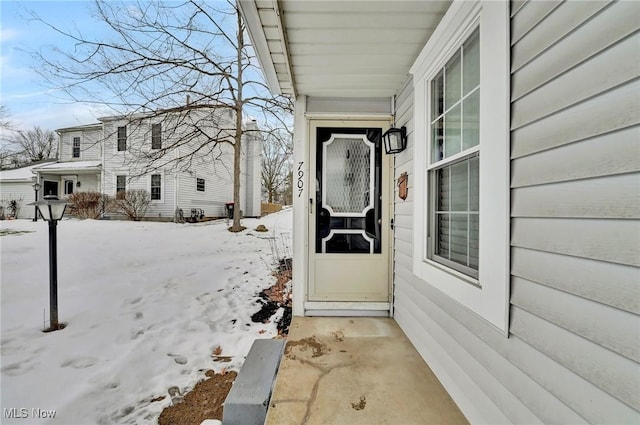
379	300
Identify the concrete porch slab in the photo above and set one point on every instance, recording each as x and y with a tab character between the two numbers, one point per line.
354	371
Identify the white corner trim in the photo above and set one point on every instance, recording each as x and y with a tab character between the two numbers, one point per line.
300	205
489	300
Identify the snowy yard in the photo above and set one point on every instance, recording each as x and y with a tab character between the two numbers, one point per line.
146	306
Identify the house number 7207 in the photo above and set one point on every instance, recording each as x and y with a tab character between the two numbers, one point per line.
300	183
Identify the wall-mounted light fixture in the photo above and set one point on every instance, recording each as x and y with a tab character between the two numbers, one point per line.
395	140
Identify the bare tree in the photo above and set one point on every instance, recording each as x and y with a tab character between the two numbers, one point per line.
35	144
8	156
159	54
276	163
5	122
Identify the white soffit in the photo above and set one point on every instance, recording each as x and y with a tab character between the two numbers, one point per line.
357	48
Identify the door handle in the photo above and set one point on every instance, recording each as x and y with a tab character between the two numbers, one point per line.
391	224
310	205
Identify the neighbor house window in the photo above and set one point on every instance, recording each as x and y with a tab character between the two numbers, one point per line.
454	169
76	147
156	136
68	187
121	186
156	187
122	138
200	185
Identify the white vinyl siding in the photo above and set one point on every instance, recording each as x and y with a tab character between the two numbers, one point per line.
178	189
82	143
573	348
21	191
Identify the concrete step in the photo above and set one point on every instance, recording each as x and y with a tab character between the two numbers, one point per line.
248	400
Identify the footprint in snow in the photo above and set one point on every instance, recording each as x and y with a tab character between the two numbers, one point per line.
178	358
110	386
16	369
80	362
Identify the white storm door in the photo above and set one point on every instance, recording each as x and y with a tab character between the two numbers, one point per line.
349	215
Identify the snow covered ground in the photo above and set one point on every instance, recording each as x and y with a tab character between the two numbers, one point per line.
146	305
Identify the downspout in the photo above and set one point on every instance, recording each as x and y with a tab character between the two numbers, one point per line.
176	189
176	177
103	165
59	147
247	191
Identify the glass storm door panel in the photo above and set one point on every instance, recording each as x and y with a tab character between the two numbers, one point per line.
49	188
349	213
348	173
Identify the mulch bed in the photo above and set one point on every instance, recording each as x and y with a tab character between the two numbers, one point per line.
203	402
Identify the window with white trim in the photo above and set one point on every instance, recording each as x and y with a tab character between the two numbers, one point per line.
122	138
453	171
121	186
68	187
76	147
461	157
156	136
156	187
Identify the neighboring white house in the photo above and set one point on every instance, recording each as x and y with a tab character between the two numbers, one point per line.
17	185
513	263
142	152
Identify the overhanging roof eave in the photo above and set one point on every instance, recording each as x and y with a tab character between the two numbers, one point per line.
251	15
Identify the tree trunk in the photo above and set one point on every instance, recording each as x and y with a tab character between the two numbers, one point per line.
237	146
237	150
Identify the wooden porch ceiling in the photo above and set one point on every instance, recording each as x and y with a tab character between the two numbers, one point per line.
360	48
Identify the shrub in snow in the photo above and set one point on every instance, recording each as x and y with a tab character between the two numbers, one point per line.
9	207
133	204
13	207
88	204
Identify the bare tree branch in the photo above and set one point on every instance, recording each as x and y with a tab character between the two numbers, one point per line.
34	145
155	56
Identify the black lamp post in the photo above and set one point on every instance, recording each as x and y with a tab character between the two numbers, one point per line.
36	187
52	209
